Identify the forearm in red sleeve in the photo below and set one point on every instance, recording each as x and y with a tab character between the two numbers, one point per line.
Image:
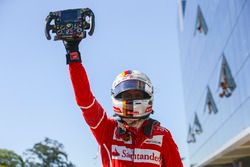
171	154
80	82
92	111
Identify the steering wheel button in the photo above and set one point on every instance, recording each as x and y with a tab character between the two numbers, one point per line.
69	25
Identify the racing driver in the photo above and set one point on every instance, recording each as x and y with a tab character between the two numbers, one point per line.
133	139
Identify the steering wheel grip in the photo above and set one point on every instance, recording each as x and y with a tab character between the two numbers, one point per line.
92	23
88	13
48	26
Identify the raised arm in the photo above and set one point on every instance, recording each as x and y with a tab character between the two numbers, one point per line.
92	111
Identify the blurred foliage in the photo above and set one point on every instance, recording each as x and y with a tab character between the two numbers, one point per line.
10	159
47	153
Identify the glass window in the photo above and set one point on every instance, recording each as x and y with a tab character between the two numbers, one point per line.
210	105
201	25
197	128
226	83
183	6
191	135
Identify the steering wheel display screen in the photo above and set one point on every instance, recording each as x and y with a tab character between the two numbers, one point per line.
70	15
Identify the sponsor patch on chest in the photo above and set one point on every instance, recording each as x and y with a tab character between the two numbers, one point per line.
136	155
157	140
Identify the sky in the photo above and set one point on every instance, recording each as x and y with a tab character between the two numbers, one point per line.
36	96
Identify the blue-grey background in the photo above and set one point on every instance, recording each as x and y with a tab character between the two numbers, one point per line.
201	56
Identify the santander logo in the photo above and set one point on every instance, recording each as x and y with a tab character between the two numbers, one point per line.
141	156
136	155
115	153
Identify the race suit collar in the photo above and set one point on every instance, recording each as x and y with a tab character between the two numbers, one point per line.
146	128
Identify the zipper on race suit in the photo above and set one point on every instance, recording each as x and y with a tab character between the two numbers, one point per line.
133	138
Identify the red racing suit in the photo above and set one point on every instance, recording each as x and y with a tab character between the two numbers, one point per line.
120	145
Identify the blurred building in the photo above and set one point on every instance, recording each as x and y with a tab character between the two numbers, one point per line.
215	59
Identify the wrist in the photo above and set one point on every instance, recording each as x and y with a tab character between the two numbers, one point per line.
72	49
71	46
73	56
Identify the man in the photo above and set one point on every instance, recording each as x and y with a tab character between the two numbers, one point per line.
134	139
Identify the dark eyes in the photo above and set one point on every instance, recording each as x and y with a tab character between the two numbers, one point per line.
129	96
132	96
